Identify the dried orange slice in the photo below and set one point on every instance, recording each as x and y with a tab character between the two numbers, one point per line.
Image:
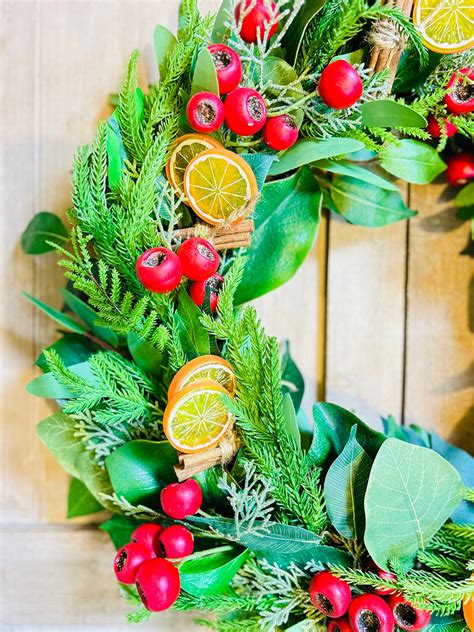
184	149
196	418
220	187
207	367
447	26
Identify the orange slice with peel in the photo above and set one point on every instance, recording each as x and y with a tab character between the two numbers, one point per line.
196	418
220	187
207	367
183	150
447	26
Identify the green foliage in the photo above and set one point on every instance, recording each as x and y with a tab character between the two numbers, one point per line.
80	502
210	572
413	161
43	228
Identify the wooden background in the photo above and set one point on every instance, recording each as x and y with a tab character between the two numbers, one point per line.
379	320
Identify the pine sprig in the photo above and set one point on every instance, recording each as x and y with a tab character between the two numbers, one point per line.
127	111
443	564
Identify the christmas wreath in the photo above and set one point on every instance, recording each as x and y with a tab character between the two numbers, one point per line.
179	414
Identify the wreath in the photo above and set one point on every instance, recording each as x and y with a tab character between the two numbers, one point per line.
178	413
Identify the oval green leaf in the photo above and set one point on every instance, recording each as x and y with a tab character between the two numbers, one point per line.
43	227
80	502
212	573
48	386
205	76
89	317
164	42
412	160
304	152
58	433
56	315
345	168
388	113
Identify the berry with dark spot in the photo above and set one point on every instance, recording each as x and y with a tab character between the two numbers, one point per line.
245	111
257	15
370	613
460	99
197	291
158	584
128	560
177	542
205	112
280	132
340	85
406	616
179	500
329	594
199	258
339	625
159	270
228	67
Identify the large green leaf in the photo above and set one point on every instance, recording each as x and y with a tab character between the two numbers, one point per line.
411	492
219	29
95	478
43	227
205	75
58	433
120	529
346	168
344	488
89	317
140	469
304	152
367	205
164	42
212	573
260	164
278	72
294	36
80	502
71	348
48	386
292	380
286	222
412	161
59	317
193	335
452	623
145	355
388	113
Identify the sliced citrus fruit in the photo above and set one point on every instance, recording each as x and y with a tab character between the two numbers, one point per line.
184	149
447	26
220	187
207	367
196	418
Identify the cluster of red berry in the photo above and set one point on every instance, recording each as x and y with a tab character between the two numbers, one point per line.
332	596
459	100
161	270
149	560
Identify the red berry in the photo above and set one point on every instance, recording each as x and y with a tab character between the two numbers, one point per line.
177	542
199	258
245	111
159	270
339	625
179	500
329	594
128	560
340	85
460	99
228	67
434	127
280	132
205	112
148	534
460	168
406	616
197	291
370	612
256	19
372	567
158	584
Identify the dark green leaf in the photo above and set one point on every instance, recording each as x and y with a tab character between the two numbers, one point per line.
286	222
205	76
260	164
304	152
294	36
140	469
89	317
465	197
346	168
95	478
344	488
290	420
120	529
43	227
164	42
291	378
212	573
388	113
193	335
212	495
367	205
80	502
219	29
145	355
59	317
411	492
412	161
71	348
409	74
48	386
58	434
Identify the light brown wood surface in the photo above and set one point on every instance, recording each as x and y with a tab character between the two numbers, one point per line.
378	320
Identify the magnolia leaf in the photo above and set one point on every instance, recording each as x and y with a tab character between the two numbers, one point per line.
345	168
411	492
56	315
58	433
80	502
212	573
292	380
120	529
89	317
363	204
44	227
95	478
293	38
290	420
344	488
193	335
145	355
286	222
49	387
260	164
304	152
388	113
412	160
140	469
164	42
205	75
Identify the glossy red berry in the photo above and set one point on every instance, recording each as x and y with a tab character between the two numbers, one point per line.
280	132
179	500
329	594
434	127
460	99
205	112
406	616
257	15
372	567
460	168
339	625
199	258
370	612
177	542
148	534
228	67
159	270
245	111
128	560
340	85
197	291
158	584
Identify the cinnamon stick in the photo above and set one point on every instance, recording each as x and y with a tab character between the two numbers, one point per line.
191	464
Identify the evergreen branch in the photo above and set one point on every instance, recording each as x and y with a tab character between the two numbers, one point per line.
222	603
127	111
443	564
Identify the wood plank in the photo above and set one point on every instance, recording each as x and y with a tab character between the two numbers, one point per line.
439	386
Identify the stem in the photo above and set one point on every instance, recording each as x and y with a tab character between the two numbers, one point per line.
293	106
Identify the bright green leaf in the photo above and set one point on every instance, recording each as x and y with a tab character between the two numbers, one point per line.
212	573
48	386
294	36
95	478
58	434
120	529
193	335
43	227
345	168
305	152
80	502
164	42
290	420
145	355
292	380
278	72
56	315
465	197
71	348
205	76
388	113
412	161
89	317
